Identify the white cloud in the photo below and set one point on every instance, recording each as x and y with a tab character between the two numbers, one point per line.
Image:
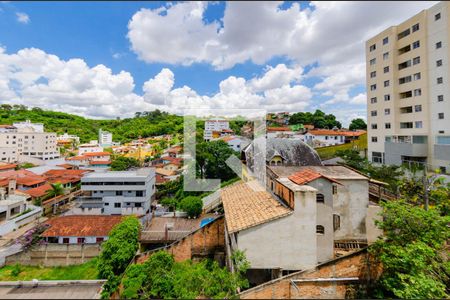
23	18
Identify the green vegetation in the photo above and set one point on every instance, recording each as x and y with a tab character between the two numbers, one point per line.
23	213
117	253
192	206
412	252
25	165
319	119
211	160
331	151
122	163
144	124
357	124
160	277
56	190
76	272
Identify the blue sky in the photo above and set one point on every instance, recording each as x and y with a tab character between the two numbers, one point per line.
309	69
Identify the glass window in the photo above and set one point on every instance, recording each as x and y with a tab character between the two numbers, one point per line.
374	139
437	16
387	97
418	108
443	140
416	60
417	92
440	80
377	157
418	124
415	27
373	74
386	69
386	83
374	126
416	76
387	111
416	44
320	229
385	55
440	98
373	113
320	198
373	100
387	125
439	63
117	204
372	47
385	40
438	45
373	61
373	87
441	116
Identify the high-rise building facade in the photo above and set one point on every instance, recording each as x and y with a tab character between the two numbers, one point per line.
408	96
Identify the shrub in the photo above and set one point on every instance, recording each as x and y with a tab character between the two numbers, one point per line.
192	206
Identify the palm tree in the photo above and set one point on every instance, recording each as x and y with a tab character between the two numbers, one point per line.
57	190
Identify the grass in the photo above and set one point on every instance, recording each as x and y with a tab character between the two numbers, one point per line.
75	272
330	151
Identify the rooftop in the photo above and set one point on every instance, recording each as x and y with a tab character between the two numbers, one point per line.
336	132
307	175
333	172
245	208
143	172
81	225
38	191
7	166
97	153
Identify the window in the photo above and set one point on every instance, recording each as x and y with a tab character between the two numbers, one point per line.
439	63
98	240
385	56
106	203
443	140
416	76
404	50
416	44
373	61
334	190
386	83
407	94
387	111
80	241
372	47
385	40
377	157
373	74
65	240
440	98
440	116
405	79
417	92
415	27
438	45
374	139
119	193
387	97
320	229
374	126
373	113
138	204
418	124
418	108
117	204
386	70
405	125
373	100
387	125
336	222
373	87
437	16
440	80
404	65
403	33
139	193
320	198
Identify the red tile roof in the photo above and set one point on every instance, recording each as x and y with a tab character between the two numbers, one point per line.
175	149
7	166
174	160
65	166
273	129
8	126
30	180
66	172
306	176
79	157
336	132
160	179
38	191
97	154
81	225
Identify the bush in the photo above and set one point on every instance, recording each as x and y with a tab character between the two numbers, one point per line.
16	270
192	206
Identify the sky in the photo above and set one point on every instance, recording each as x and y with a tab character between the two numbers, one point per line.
112	59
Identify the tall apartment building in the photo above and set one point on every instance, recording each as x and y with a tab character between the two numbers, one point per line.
408	110
104	138
118	193
213	128
26	139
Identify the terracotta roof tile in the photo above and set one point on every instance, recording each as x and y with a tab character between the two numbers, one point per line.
38	191
305	176
100	162
245	208
7	166
81	225
97	154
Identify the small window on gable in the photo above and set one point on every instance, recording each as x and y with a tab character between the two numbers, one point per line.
336	222
320	198
320	229
334	189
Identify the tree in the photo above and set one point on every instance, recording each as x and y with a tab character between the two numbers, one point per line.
357	124
160	277
56	190
210	160
192	206
412	252
117	252
122	163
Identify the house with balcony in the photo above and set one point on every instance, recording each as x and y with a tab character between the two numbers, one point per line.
117	192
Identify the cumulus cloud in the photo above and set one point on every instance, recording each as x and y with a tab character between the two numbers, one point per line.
22	18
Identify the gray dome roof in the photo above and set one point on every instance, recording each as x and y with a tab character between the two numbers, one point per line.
294	152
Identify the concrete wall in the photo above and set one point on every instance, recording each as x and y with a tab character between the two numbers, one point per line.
373	232
352	265
55	255
289	243
351	202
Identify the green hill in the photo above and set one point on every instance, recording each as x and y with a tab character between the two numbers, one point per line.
144	124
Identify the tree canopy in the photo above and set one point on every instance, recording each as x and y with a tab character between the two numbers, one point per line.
122	163
357	124
319	119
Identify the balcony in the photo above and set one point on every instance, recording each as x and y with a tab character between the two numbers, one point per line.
405	145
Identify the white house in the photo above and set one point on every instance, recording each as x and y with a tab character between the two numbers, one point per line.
215	125
90	147
117	192
104	138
